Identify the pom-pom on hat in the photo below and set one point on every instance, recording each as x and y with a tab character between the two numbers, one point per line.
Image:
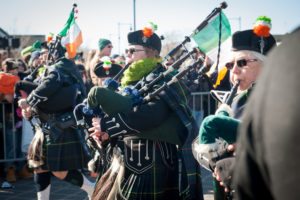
106	68
102	43
146	37
259	39
262	26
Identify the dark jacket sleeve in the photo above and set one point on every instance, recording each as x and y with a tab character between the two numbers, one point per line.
47	88
142	117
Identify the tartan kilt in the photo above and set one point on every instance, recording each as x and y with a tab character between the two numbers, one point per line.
163	176
192	166
65	152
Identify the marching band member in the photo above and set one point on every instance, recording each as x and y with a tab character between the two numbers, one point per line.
145	163
249	49
268	145
56	147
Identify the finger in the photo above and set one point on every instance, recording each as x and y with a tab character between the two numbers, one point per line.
95	124
218	177
96	119
104	137
95	137
23	94
231	147
91	129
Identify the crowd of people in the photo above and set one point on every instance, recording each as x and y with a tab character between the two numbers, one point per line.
140	136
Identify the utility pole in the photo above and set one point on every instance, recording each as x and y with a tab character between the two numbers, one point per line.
134	16
239	19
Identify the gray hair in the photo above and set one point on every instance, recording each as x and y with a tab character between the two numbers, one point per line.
256	55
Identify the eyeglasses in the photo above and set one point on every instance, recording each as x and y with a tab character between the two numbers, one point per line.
110	46
132	50
240	63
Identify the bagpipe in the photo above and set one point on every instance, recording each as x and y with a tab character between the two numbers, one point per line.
84	113
56	50
83	116
215	134
225	97
217	131
142	93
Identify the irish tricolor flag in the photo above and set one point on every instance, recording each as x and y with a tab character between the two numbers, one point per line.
71	35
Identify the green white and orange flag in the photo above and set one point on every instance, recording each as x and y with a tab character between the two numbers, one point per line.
207	41
71	35
208	38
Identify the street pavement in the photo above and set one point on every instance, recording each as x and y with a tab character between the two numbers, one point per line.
61	190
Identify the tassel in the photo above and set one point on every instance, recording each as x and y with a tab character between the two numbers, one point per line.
109	184
35	155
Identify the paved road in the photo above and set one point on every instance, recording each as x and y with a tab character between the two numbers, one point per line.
60	190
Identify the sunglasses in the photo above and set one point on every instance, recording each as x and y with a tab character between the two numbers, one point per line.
132	50
240	63
110	46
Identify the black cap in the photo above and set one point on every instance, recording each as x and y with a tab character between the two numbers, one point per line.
105	73
138	38
248	40
9	64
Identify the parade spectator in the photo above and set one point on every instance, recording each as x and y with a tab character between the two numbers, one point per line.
104	50
13	122
120	60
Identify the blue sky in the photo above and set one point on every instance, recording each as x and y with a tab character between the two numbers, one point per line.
100	18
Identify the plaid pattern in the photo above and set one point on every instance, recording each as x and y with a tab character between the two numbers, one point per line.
160	180
64	153
177	96
192	167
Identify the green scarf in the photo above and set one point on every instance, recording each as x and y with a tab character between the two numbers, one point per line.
138	70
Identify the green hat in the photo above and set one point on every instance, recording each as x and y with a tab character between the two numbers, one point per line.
102	43
28	50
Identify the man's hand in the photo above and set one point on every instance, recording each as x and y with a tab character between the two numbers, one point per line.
26	113
224	169
26	109
96	133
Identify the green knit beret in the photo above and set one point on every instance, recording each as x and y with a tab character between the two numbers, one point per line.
102	43
28	50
